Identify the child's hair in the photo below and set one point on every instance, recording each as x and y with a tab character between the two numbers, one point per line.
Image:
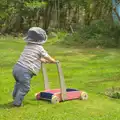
36	35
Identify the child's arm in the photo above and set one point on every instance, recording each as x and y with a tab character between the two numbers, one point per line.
43	60
45	56
48	59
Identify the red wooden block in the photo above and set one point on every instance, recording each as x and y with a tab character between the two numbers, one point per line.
56	93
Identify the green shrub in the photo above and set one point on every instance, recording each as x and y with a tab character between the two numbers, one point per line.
98	33
113	92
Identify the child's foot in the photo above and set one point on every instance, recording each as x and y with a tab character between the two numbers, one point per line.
16	105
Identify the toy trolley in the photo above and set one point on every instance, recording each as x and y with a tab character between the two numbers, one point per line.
60	94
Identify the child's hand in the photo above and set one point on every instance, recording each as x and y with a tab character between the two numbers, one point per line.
43	60
50	59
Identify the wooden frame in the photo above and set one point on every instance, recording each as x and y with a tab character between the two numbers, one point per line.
61	79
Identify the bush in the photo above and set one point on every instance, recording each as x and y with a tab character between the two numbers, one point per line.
98	33
113	92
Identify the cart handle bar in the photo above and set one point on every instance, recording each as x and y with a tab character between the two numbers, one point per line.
61	79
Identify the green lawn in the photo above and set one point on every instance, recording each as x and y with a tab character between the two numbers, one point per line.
92	70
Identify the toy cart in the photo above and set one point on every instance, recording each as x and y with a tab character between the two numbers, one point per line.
58	95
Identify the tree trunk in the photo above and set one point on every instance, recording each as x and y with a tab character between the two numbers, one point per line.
47	16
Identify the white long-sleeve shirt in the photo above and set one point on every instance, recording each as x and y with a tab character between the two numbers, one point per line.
30	57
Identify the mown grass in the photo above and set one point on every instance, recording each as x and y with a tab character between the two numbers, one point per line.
92	70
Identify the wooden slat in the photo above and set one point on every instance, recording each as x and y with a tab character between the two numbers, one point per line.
46	83
62	82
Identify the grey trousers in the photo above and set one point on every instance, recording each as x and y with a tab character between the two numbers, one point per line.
22	83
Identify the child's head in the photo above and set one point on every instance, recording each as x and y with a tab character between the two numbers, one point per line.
36	35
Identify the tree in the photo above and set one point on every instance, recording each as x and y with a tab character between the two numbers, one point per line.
19	15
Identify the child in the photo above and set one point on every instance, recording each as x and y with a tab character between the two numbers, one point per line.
29	63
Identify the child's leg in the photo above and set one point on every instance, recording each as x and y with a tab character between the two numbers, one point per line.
22	86
22	89
15	90
16	86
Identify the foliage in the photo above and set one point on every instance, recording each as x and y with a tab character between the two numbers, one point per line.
19	15
113	92
99	33
86	18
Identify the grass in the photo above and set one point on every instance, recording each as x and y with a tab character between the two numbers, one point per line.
92	70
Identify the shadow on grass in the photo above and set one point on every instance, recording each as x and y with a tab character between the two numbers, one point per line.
10	105
6	105
31	102
36	102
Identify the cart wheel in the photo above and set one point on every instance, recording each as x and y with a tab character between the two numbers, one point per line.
37	96
83	96
54	99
